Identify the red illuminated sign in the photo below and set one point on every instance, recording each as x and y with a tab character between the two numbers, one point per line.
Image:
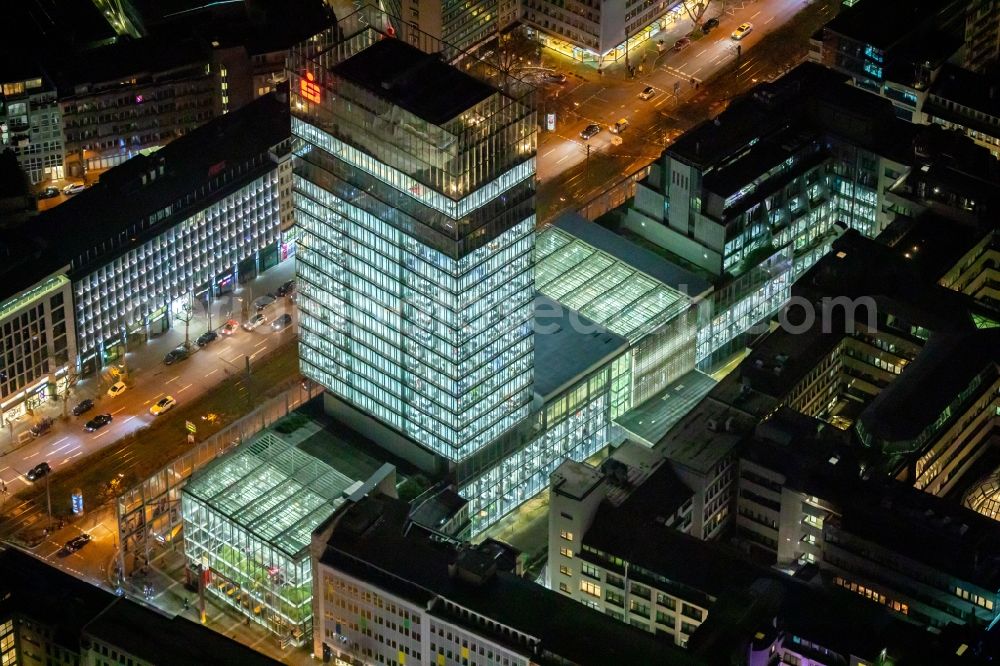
309	89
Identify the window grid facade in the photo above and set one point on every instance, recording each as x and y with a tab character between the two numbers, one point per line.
135	289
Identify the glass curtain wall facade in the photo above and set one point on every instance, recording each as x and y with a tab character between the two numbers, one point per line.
415	266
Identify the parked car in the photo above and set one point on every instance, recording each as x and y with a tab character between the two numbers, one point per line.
117	389
230	327
590	131
207	337
682	44
709	25
38	471
76	543
74	188
281	322
163	405
264	301
647	93
175	355
555	77
83	407
255	321
619	126
742	30
286	289
48	193
98	422
41	427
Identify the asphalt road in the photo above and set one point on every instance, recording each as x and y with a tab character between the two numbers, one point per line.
570	174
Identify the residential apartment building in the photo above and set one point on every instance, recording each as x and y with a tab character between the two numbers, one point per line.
754	197
388	593
31	123
188	222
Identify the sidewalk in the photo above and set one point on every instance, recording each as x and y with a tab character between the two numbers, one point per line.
147	356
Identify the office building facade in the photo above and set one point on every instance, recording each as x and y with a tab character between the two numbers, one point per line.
416	297
158	238
755	197
37	346
598	32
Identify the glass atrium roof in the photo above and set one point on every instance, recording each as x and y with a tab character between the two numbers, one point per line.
273	490
601	287
984	497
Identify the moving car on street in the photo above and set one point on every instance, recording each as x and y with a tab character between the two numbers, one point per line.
742	31
255	321
117	389
281	322
590	131
163	405
175	355
83	407
230	327
647	93
38	471
98	422
619	126
682	44
709	25
285	289
76	543
207	337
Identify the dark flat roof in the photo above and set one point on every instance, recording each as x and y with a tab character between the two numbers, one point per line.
634	255
884	23
156	638
942	370
107	212
568	346
419	82
370	542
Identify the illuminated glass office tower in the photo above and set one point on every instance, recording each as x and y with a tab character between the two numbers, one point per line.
414	193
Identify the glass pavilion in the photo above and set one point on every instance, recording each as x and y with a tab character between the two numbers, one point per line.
248	517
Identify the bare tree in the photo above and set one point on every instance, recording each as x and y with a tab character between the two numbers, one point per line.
185	313
696	13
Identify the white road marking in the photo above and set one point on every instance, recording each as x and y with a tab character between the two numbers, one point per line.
769	20
212	373
262	342
32	455
185	388
547	152
561	160
129	419
64	446
120	409
233	359
102	434
58	441
172	380
755	15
